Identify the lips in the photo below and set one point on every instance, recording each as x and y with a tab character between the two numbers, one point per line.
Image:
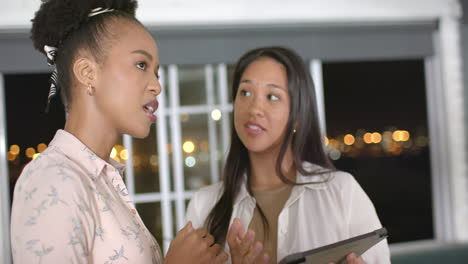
150	108
254	128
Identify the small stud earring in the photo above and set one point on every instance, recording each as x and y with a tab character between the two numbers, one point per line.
294	131
90	90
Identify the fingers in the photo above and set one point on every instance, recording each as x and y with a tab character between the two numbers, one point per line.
353	259
188	228
246	243
201	232
221	257
235	232
265	258
254	253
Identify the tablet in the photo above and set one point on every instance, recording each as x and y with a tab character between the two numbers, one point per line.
338	251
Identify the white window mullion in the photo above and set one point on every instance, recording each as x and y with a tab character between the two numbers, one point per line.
129	171
441	205
212	135
177	145
317	77
452	72
5	256
201	109
223	93
164	173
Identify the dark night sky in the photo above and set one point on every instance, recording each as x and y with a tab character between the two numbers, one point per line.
27	122
374	96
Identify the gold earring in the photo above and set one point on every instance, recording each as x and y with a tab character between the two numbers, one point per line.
90	90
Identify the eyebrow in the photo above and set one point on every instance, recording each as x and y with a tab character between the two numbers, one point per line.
143	52
272	85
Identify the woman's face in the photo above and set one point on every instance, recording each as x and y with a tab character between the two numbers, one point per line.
127	81
261	107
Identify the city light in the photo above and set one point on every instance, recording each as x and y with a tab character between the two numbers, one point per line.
326	141
41	147
216	115
15	149
118	147
349	139
154	160
188	146
376	137
204	146
190	161
113	153
400	135
387	136
11	156
30	152
334	154
405	135
169	148
124	154
368	138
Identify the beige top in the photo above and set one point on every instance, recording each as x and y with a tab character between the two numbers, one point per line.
271	202
70	206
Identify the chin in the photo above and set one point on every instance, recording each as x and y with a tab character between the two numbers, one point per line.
140	133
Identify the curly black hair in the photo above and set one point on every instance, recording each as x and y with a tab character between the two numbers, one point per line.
65	24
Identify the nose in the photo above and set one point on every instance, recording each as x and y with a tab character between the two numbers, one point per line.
256	106
155	86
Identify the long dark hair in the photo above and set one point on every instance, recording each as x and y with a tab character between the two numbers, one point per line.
306	142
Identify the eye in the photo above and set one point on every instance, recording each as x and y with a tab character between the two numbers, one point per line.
272	97
245	93
141	66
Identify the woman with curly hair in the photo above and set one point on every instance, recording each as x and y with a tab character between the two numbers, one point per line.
70	204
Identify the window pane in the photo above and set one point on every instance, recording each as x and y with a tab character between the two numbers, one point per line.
146	163
192	89
195	145
150	213
377	127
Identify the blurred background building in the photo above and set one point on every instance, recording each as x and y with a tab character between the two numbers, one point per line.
390	82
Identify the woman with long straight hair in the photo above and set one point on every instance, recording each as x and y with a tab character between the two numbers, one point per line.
278	182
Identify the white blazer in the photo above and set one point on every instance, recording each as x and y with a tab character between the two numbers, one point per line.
314	215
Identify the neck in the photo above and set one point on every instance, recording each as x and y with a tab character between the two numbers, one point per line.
92	130
263	174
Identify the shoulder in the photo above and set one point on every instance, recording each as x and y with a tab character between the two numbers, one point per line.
202	202
323	178
51	172
208	194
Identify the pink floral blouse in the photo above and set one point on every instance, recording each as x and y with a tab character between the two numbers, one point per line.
70	206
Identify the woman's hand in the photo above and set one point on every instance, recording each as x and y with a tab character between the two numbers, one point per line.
194	246
352	259
243	248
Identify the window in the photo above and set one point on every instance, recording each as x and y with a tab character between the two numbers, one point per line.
377	130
